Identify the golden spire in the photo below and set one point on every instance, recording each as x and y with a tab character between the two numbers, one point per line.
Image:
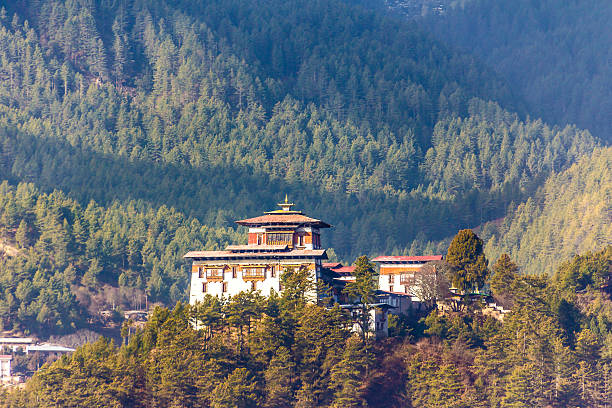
286	206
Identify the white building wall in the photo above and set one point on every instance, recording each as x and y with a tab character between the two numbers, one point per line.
395	286
5	368
238	284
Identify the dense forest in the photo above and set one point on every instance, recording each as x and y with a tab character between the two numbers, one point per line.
133	131
67	262
141	111
555	54
554	349
570	214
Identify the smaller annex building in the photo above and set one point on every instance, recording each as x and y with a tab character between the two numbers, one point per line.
277	240
404	274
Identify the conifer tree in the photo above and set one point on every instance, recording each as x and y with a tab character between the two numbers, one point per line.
347	376
280	376
363	292
21	236
239	390
465	254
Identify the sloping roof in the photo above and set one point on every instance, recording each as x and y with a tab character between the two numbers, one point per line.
331	265
256	248
51	348
425	258
344	269
16	340
306	253
280	218
386	292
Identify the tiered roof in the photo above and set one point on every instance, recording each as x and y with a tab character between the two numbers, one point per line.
300	253
404	259
285	217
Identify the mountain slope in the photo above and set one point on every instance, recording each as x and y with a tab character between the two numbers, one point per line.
222	130
570	214
555	54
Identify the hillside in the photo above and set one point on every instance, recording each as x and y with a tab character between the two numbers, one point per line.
570	214
214	112
554	349
555	54
165	104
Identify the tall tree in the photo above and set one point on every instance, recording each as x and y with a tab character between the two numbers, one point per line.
465	254
362	292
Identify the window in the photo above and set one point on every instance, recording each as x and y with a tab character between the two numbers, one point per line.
391	278
200	272
234	273
390	288
204	287
248	273
277	238
214	273
253	285
272	272
224	287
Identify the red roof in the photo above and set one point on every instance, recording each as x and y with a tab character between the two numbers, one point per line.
344	269
255	247
332	265
278	218
425	258
301	253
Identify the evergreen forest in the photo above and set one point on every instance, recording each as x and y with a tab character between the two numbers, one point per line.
133	131
553	350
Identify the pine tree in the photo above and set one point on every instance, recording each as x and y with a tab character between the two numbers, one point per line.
363	292
519	388
347	376
22	234
280	377
504	273
239	390
465	254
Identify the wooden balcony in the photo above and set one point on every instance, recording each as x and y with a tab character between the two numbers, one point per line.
214	275
254	274
282	243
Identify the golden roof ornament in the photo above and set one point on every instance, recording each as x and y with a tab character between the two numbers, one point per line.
286	206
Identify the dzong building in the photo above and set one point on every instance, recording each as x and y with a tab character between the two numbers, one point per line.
277	240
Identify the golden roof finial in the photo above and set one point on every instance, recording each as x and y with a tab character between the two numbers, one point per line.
286	206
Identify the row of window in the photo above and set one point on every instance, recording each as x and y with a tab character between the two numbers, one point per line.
224	286
283	238
218	273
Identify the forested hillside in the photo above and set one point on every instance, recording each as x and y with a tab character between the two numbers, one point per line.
555	54
219	126
214	111
570	214
65	258
554	349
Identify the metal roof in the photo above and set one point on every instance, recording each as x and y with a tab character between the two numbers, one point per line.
425	258
305	253
281	218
